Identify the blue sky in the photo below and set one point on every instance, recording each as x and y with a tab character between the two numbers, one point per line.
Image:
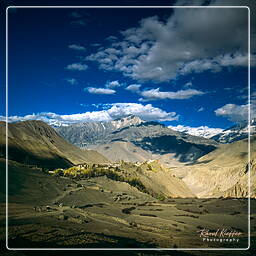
177	66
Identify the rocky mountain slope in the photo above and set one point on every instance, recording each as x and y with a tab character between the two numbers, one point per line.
84	134
36	143
152	137
236	132
123	150
223	172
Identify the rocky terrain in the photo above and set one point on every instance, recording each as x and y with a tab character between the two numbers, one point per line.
158	189
149	177
36	143
236	132
83	134
124	150
223	172
152	137
48	211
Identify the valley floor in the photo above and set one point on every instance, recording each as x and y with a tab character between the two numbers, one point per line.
58	212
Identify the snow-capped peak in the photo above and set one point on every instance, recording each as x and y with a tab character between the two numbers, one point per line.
201	131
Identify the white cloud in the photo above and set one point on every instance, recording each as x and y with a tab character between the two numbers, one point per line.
202	131
112	84
145	112
233	112
133	88
94	90
162	50
109	88
72	81
116	110
214	64
77	47
77	66
156	94
239	113
200	109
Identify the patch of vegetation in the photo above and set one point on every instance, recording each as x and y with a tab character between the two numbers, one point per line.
160	197
152	166
58	172
97	171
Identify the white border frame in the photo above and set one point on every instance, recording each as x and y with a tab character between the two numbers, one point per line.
249	144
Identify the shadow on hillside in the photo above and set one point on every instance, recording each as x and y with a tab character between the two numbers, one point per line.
28	158
184	151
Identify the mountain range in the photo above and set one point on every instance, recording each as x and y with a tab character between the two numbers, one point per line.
236	132
223	157
201	131
190	158
94	133
153	137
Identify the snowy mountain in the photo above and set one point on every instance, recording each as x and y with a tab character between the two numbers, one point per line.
153	137
82	134
236	132
201	131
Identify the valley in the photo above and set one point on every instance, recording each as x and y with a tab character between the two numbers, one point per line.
139	186
60	212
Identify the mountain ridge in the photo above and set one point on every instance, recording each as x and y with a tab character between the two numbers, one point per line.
151	136
34	142
236	132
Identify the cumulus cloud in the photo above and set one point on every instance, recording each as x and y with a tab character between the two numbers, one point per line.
156	94
94	90
109	88
239	113
159	51
116	110
201	131
250	3
112	84
72	81
77	66
133	88
77	47
215	64
145	112
233	112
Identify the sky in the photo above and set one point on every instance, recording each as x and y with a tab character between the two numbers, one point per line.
177	66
